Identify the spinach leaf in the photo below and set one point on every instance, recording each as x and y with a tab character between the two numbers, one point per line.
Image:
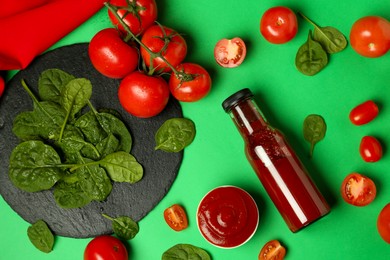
34	166
42	122
68	194
51	82
94	181
314	129
113	126
41	236
108	145
185	252
124	227
122	167
311	57
175	134
91	128
73	142
74	96
331	39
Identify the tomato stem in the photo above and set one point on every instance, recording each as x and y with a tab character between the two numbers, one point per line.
181	75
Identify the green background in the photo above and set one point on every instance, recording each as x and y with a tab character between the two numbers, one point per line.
286	97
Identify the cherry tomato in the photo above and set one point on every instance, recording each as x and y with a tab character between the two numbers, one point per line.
110	55
176	217
138	16
230	53
370	36
370	149
364	113
279	25
358	190
2	85
142	95
190	89
272	250
383	223
105	247
158	37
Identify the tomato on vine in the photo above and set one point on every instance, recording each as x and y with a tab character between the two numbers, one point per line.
167	42
105	247
143	95
110	55
138	15
191	83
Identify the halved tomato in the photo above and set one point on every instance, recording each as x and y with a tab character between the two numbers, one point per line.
358	190
230	53
176	217
272	250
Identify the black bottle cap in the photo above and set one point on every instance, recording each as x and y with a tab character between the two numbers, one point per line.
235	98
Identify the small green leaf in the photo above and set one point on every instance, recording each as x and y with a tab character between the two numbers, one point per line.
122	167
41	236
314	129
311	57
175	134
185	252
51	82
124	227
331	39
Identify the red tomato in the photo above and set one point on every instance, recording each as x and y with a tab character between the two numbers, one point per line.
358	190
279	25
364	113
138	16
105	247
370	36
110	55
383	223
176	217
192	84
2	85
272	250
230	53
162	39
370	149
142	95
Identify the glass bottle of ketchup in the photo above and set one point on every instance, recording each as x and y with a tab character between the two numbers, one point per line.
280	171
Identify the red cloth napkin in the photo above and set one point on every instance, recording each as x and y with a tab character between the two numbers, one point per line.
27	33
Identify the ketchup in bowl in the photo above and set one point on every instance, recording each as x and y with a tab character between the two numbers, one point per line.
227	216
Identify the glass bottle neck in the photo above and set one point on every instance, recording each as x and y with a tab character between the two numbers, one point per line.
247	117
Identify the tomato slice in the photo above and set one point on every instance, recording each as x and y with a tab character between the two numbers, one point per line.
176	217
272	250
230	53
383	223
364	113
358	190
370	149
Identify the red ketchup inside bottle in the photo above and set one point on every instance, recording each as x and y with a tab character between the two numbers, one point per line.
280	171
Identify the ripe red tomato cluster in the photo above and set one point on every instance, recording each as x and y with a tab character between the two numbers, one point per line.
370	36
140	53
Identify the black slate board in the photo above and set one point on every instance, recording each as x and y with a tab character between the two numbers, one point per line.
134	200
